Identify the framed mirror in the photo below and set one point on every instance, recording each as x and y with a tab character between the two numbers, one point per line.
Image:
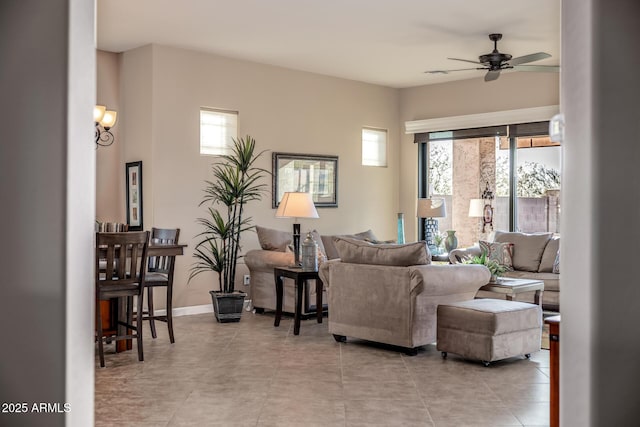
307	173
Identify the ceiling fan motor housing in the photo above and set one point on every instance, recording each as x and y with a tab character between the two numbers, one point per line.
495	59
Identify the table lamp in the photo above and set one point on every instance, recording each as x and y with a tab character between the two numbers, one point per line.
296	205
481	208
430	209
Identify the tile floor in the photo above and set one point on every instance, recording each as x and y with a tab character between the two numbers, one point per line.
252	374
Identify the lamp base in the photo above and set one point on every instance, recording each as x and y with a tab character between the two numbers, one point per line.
430	231
296	245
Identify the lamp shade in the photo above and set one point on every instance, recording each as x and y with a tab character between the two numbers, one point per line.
296	205
476	208
431	208
98	113
109	119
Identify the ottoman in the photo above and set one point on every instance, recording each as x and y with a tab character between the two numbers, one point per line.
489	329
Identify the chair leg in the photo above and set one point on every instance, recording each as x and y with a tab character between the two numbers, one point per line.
170	311
99	325
152	320
139	326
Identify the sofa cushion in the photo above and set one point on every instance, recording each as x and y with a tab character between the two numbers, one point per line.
360	252
330	249
273	240
549	255
527	248
502	253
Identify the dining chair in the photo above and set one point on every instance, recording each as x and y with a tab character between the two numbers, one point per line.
124	258
160	274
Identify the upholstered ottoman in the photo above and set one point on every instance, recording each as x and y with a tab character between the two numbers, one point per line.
489	329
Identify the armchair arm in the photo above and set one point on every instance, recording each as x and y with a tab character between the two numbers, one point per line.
457	256
440	280
261	260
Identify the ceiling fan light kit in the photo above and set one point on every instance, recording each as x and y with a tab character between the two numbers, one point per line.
497	61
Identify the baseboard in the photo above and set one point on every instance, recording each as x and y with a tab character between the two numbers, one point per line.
192	310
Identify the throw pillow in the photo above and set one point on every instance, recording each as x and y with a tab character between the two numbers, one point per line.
330	248
502	253
360	252
527	248
273	240
549	255
556	264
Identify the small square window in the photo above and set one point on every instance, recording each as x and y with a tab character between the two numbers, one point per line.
217	130
374	147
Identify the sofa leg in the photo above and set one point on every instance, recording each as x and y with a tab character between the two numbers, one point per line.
528	355
411	351
259	310
339	338
486	363
444	354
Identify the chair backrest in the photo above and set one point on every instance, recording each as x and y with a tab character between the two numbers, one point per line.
121	258
163	236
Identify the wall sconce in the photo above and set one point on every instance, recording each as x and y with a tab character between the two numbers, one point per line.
104	119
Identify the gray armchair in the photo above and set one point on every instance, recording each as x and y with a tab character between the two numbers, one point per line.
393	304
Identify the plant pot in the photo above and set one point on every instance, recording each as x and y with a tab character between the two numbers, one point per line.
227	306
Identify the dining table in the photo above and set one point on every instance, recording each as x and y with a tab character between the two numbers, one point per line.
114	309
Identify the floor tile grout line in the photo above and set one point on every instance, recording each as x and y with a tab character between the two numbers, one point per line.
415	386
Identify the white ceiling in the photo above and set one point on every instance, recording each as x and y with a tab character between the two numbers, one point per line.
385	42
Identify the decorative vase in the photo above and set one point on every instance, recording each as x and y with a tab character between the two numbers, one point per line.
400	228
309	254
451	242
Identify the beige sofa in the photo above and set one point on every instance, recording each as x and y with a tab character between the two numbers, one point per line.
534	256
390	293
275	252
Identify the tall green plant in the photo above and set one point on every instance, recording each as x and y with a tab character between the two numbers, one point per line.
236	182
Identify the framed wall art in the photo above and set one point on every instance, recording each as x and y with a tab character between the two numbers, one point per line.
134	195
307	173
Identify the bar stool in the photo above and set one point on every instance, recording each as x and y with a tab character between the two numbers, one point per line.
160	274
124	258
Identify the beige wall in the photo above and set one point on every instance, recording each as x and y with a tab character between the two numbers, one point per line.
161	90
109	166
512	91
284	110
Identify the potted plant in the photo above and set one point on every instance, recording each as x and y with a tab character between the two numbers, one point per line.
494	267
236	182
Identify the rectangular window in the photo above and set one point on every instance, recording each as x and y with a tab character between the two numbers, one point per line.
217	128
374	147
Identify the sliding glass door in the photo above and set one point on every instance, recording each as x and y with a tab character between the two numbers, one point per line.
518	164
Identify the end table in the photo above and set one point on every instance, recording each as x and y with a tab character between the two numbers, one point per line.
300	278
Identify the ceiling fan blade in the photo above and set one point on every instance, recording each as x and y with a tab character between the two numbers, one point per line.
491	75
538	68
449	71
465	60
529	58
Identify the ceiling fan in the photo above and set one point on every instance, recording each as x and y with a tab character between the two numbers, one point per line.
496	61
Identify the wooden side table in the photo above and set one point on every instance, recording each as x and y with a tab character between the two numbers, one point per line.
554	358
300	278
